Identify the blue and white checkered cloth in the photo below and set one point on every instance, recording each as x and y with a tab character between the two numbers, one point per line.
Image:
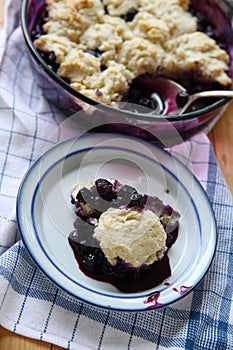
32	305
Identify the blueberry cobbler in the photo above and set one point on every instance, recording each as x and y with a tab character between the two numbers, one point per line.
121	236
104	49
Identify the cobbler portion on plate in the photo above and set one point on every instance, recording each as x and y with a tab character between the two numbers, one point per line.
121	236
104	49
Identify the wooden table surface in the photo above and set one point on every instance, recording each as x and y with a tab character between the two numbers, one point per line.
222	139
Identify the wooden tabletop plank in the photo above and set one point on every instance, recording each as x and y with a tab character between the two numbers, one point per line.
11	341
2	3
221	138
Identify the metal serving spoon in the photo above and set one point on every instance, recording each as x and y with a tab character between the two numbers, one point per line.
178	92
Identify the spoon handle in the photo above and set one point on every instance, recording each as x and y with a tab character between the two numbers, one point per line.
206	94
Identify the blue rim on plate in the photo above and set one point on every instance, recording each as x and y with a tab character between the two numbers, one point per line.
45	215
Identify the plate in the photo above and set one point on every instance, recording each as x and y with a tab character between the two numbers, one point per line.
45	215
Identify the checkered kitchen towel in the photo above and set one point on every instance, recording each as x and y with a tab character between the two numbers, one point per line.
30	304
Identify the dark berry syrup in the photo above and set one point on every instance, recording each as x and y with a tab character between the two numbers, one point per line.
91	259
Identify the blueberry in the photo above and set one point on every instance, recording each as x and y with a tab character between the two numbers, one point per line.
89	262
103	67
145	101
142	94
80	249
124	195
91	198
137	200
209	31
104	189
222	46
83	232
83	195
107	269
98	198
78	237
182	98
129	16
50	59
35	34
120	269
100	259
134	93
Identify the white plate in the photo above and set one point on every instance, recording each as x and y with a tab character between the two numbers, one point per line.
45	215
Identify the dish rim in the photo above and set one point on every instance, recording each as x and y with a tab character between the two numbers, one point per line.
42	65
152	147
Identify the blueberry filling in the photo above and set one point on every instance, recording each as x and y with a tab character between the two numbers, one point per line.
142	94
204	26
40	20
50	59
90	257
